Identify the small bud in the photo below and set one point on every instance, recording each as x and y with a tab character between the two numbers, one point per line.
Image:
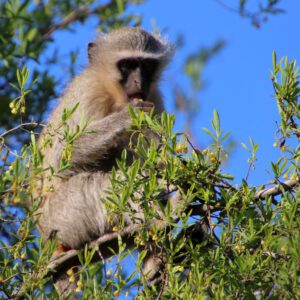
78	289
116	293
284	249
212	155
181	149
70	272
108	273
15	200
213	160
239	248
180	268
294	176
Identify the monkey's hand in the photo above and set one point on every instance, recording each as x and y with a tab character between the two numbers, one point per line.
145	106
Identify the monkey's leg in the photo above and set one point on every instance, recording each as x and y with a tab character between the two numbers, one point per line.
75	213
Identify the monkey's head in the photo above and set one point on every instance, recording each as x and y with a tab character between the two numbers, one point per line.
132	59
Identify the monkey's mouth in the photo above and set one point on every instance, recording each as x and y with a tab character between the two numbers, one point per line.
140	96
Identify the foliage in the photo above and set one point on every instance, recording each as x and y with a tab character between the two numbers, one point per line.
222	240
257	12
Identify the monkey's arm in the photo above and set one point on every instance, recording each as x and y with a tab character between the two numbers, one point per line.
106	134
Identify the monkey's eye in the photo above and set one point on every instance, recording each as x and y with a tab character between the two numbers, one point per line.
127	65
149	66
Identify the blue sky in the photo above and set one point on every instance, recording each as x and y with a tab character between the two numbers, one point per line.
237	79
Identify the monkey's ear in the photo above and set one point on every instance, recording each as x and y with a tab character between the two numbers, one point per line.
91	45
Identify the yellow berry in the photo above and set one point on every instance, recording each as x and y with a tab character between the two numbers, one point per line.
15	200
116	293
72	278
239	248
180	268
14	111
294	176
213	160
212	155
70	272
108	272
286	176
205	151
181	149
23	109
284	249
11	105
275	144
78	289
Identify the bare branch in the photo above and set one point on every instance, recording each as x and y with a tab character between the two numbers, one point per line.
34	124
75	15
277	189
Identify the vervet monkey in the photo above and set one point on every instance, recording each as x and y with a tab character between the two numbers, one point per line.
124	65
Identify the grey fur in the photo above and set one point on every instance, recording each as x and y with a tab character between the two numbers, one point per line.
73	212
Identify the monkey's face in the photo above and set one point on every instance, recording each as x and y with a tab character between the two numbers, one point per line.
137	76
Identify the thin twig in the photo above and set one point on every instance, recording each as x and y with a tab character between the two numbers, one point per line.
20	126
75	15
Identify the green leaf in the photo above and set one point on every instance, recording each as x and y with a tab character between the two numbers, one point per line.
245	147
274	60
216	122
120	5
209	133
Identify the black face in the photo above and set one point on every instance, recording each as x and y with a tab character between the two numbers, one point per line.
137	75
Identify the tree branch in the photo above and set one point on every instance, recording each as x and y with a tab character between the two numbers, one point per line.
277	189
75	15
